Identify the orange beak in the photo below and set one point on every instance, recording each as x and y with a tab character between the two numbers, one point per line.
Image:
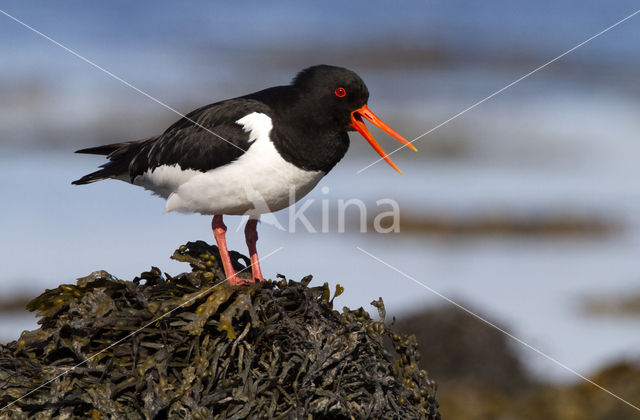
358	124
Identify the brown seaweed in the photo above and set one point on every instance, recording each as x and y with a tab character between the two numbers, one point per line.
192	346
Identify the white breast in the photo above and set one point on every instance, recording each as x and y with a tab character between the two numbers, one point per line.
260	181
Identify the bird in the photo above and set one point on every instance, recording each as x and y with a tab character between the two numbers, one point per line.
249	155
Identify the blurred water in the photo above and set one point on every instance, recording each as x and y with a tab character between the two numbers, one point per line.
440	52
564	139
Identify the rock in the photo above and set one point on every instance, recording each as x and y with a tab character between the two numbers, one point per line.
460	349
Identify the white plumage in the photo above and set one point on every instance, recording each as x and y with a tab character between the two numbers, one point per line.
259	181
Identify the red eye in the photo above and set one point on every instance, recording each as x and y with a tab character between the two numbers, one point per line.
340	92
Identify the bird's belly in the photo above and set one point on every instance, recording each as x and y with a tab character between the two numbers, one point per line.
258	182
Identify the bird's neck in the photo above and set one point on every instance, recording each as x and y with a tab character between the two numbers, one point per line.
308	147
300	134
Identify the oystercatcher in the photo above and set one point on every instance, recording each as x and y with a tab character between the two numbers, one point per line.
250	155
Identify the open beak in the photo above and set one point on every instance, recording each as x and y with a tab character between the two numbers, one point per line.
358	124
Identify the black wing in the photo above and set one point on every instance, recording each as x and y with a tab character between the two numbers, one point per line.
215	139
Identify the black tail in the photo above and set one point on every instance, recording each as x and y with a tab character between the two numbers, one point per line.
105	150
119	155
92	177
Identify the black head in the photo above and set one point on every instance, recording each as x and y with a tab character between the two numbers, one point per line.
337	99
331	94
318	108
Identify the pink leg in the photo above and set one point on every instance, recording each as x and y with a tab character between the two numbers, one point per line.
219	232
251	234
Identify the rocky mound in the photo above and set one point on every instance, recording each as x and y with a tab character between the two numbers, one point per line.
191	346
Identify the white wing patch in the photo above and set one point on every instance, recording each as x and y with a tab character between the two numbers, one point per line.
257	125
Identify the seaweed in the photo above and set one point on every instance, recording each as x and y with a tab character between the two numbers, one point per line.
192	346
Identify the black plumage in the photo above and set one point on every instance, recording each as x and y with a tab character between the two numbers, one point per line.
310	127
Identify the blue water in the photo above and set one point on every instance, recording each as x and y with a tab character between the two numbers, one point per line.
495	25
564	139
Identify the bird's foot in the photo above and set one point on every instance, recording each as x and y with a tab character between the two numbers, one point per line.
256	274
236	280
